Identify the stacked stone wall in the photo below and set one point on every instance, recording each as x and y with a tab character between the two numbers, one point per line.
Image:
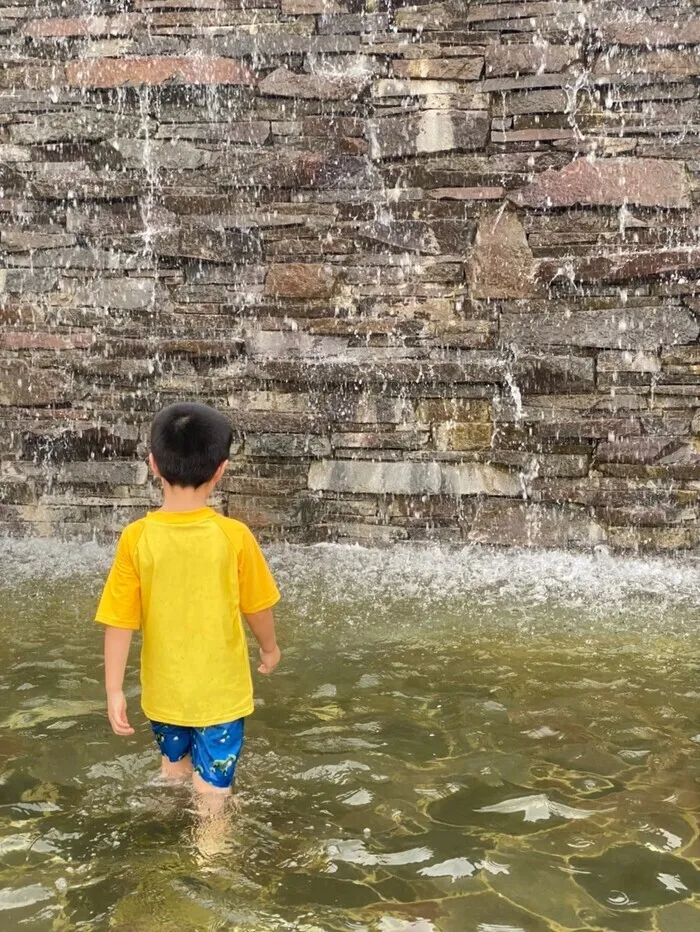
439	264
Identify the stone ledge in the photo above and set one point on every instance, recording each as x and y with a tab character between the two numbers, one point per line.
123	72
408	478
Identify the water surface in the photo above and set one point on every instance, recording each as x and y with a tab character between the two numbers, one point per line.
455	741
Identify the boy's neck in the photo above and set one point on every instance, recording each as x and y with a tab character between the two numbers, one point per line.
177	498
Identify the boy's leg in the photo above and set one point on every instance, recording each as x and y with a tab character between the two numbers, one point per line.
179	771
207	789
175	744
215	754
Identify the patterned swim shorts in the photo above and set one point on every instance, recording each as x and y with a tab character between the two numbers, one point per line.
214	750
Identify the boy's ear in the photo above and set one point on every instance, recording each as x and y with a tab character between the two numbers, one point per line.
152	464
220	471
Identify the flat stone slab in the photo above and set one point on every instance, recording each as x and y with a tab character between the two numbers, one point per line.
645	182
622	328
377	478
123	72
286	83
409	478
295	280
430	131
501	264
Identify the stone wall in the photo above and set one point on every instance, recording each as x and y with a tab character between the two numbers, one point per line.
438	263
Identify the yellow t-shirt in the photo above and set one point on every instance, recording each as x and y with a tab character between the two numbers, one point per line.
185	578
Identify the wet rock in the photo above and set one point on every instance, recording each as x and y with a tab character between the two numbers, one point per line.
440	69
464	436
10	153
273	47
667	62
124	294
623	328
110	473
545	465
333	125
623	266
208	245
526	58
20	281
431	131
123	72
332	23
641	362
91	125
251	132
468	194
25	340
17	311
473	367
99	219
24	384
406	234
642	450
291	169
34	77
286	83
647	32
313	249
542	374
525	83
295	280
529	102
501	264
479	479
287	445
24	242
309	7
377	478
454	409
438	94
520	524
286	344
223	348
273	512
533	135
153	156
120	25
485	12
390	440
650	539
646	182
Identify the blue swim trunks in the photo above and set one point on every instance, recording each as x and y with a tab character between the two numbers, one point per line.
214	750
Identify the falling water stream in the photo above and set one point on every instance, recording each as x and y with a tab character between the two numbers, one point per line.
456	740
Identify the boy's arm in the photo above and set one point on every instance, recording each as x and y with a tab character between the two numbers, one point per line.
117	644
262	624
120	612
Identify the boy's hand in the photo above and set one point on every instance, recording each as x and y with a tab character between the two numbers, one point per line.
270	659
116	710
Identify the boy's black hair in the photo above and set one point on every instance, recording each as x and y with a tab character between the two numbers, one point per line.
189	442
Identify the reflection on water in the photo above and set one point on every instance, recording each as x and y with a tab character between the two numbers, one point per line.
455	742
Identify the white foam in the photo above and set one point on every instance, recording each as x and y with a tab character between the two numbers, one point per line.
445	577
441	578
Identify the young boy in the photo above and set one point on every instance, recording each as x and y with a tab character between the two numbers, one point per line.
184	575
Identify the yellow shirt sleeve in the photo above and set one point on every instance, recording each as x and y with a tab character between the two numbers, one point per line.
257	588
120	605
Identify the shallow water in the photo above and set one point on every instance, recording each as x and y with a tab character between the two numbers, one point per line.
456	741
